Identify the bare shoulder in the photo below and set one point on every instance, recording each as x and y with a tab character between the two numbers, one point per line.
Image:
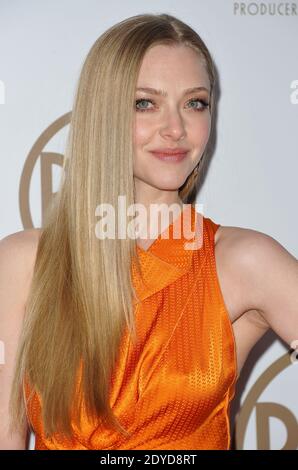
237	253
241	248
24	243
17	259
22	238
247	251
242	256
17	254
230	234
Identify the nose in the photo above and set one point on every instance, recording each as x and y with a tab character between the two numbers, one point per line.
172	125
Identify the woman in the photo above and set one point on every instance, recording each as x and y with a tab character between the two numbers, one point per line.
121	343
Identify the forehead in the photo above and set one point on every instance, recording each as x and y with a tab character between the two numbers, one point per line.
162	63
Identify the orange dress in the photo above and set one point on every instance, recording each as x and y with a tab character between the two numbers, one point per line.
172	389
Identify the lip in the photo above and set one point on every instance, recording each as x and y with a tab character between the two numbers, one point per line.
170	155
170	151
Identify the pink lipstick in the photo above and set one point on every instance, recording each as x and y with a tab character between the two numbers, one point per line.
170	155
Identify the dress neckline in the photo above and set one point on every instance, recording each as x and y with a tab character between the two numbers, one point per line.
178	219
168	257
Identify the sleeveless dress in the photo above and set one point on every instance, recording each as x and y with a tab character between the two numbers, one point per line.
173	387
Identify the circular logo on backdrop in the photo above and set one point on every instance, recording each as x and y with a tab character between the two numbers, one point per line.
47	160
266	410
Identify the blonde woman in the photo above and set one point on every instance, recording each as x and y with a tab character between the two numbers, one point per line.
136	343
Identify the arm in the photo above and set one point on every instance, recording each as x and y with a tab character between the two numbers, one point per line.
16	264
270	276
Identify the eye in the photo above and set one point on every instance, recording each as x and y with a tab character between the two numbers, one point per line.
204	104
143	100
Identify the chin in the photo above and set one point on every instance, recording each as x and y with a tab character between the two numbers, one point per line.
163	181
172	184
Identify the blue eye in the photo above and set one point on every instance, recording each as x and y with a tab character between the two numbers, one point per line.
141	101
204	104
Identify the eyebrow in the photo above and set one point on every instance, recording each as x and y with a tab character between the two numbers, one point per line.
153	91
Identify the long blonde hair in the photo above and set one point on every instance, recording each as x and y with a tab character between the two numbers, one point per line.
81	295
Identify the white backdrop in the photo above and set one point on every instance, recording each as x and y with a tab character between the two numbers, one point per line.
252	178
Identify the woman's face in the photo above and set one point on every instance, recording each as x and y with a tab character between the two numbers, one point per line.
177	120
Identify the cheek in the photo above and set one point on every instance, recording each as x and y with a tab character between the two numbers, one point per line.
142	131
200	133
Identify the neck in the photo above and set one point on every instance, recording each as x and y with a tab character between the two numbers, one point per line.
147	195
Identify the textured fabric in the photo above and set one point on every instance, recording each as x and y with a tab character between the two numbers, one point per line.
172	388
